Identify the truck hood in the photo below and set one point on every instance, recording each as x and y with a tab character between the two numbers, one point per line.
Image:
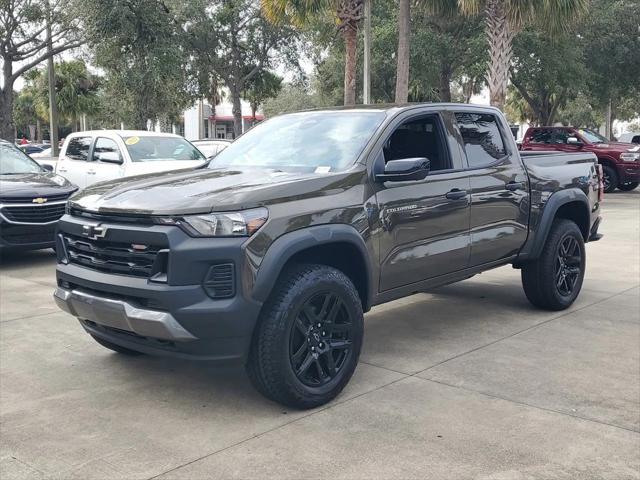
33	184
618	147
204	190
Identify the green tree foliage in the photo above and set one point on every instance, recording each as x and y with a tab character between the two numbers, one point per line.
261	87
291	98
546	73
140	46
231	40
23	43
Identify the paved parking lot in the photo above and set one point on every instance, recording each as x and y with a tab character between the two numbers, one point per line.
467	382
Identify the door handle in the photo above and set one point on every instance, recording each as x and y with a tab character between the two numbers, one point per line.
91	172
513	186
456	194
62	170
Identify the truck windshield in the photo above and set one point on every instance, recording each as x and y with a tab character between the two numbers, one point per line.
592	137
14	162
151	148
307	141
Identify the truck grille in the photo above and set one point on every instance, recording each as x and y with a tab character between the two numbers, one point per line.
50	198
33	214
113	257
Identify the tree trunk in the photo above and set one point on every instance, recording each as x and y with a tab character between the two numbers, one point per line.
38	131
500	38
7	128
237	112
445	83
404	40
350	34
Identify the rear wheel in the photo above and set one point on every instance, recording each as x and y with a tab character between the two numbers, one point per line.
609	178
554	280
308	339
116	348
627	187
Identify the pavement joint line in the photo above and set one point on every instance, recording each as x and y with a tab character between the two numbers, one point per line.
27	464
29	316
525	404
273	429
532	327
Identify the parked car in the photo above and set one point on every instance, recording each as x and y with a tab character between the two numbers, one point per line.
620	161
271	254
95	156
32	200
210	148
30	149
630	137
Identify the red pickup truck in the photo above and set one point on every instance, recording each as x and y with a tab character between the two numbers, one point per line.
620	161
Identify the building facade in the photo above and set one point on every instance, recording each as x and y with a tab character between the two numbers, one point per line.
200	121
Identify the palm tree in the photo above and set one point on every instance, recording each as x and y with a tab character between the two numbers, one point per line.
404	40
348	14
503	20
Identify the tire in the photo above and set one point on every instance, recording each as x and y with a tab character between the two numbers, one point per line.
554	280
288	337
610	179
627	187
116	348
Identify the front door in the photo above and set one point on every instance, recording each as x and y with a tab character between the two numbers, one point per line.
424	224
499	190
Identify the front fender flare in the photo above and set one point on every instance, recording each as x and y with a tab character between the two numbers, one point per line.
287	245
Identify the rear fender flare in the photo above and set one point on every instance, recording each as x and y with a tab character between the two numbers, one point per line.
536	241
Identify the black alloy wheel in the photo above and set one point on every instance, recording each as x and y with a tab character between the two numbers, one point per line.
568	265
320	343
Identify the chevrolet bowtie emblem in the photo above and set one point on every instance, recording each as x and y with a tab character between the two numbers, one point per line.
39	200
94	232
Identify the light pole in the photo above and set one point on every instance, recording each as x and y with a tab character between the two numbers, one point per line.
366	88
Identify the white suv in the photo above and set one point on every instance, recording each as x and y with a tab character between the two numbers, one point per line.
96	156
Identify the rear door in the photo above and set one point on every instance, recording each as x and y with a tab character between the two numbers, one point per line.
499	190
424	224
102	167
74	162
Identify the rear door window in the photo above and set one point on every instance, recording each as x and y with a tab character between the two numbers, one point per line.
78	148
540	136
483	141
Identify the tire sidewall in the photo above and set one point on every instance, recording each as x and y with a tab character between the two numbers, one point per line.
613	176
320	280
569	229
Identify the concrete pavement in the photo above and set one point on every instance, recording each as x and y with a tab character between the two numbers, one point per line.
466	382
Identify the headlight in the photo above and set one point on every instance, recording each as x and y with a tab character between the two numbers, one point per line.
225	224
630	157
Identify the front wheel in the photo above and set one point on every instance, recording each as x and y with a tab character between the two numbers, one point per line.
609	178
628	186
554	280
308	339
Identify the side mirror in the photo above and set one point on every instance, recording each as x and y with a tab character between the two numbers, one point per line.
405	170
47	167
110	157
574	141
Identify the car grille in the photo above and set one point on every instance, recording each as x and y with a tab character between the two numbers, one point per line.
114	257
33	214
50	198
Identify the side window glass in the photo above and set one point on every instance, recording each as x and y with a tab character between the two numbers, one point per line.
483	141
560	137
541	136
421	138
636	139
78	148
105	148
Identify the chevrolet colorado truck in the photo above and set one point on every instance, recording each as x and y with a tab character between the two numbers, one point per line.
620	161
270	254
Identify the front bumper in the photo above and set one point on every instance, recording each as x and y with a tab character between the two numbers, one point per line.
26	237
171	315
629	172
121	315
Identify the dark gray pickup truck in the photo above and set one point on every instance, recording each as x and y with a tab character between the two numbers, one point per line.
270	254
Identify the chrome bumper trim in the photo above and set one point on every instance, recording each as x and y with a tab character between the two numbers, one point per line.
121	315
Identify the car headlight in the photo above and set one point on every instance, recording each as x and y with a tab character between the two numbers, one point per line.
225	224
630	156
